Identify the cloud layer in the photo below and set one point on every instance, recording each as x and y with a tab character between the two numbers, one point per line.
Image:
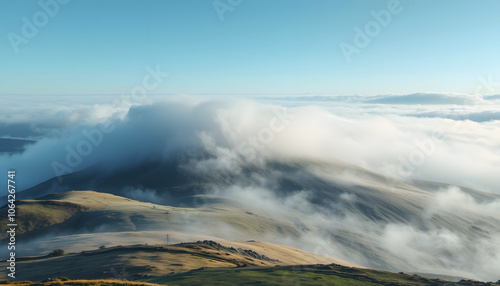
224	136
378	138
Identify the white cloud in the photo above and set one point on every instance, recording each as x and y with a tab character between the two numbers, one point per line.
225	136
463	152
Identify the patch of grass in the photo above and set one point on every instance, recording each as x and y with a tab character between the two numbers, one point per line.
267	276
69	282
106	283
310	275
33	215
296	275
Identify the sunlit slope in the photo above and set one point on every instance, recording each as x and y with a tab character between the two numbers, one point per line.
220	265
330	185
88	211
335	208
139	261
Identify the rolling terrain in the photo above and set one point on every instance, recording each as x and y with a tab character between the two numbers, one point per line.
89	212
339	210
208	263
140	261
316	274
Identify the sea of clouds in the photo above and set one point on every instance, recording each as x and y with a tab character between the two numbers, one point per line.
452	143
454	139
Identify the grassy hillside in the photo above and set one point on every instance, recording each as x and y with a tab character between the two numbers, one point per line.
337	209
299	275
64	281
89	212
270	276
138	261
35	215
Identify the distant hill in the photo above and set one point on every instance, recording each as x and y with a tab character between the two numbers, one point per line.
424	98
12	146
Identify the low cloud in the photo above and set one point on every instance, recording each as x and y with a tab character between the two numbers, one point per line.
239	132
226	138
444	252
454	199
427	246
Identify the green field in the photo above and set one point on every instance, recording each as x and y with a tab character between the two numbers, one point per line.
256	277
273	276
297	275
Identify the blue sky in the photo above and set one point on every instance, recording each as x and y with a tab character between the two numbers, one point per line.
260	47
